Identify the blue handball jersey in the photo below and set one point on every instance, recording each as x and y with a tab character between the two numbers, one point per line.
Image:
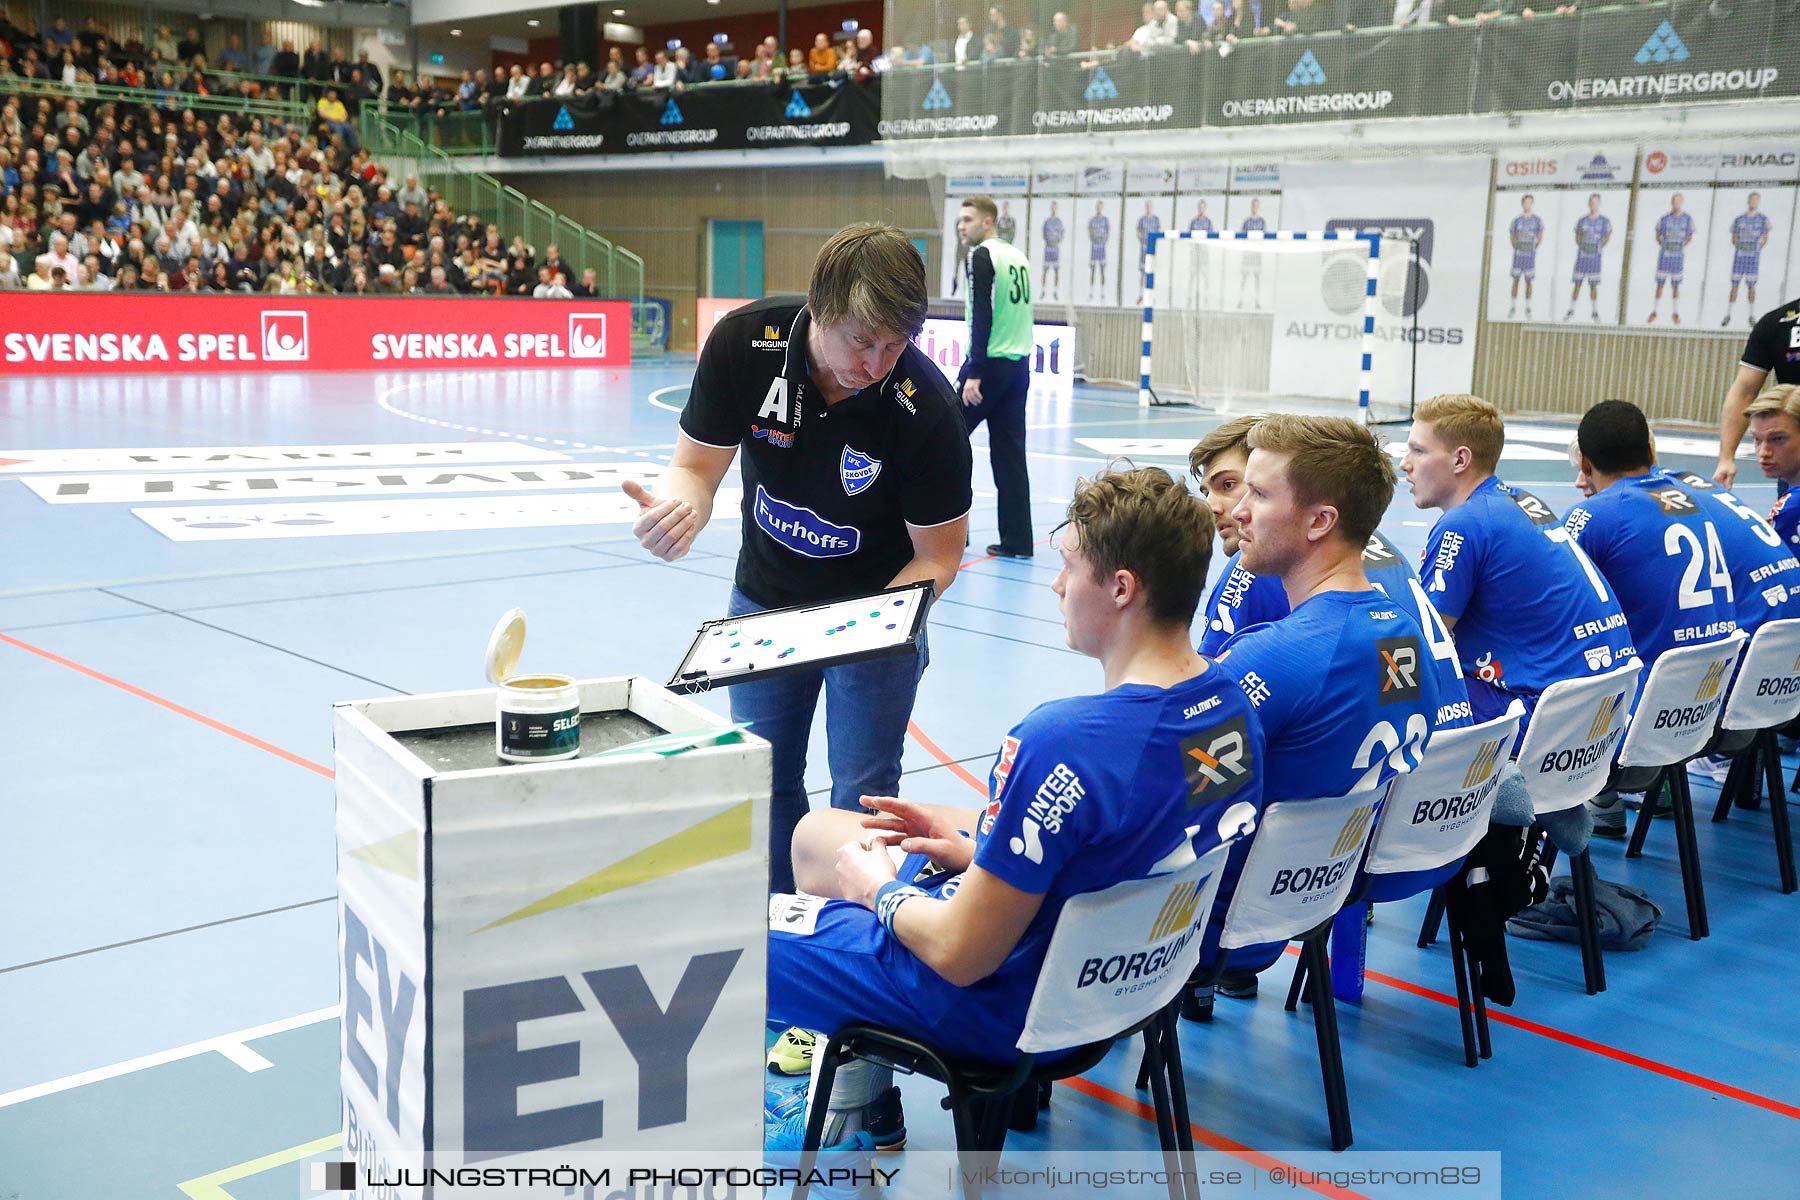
1344	692
1663	558
1530	609
1764	573
1241	599
1095	790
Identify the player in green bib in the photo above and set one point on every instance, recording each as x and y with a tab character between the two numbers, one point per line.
996	370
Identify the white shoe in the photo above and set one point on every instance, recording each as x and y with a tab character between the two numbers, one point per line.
1569	316
1510	312
1714	767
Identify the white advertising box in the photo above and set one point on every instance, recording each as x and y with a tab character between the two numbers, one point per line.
553	957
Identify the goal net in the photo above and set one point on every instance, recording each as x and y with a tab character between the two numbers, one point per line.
1281	321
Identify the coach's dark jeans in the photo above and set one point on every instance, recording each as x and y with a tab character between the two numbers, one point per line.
1004	384
867	707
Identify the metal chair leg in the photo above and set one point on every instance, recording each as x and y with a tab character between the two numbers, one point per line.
1298	982
1642	828
1734	782
1434	914
1688	849
817	1110
1587	919
1465	1012
1331	1054
1778	810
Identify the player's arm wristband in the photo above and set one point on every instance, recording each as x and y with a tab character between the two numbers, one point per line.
889	899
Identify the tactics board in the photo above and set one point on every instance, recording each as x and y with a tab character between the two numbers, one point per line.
806	638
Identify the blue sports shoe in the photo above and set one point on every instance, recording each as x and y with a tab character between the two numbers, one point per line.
882	1121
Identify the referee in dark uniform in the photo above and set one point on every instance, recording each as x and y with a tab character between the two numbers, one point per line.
856	478
996	370
1773	349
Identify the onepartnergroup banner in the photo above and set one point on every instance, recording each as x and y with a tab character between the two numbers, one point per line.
1641	54
737	116
920	1174
94	333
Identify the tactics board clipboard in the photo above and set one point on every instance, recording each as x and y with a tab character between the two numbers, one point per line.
806	637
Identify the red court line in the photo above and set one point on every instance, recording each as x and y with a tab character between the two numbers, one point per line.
178	709
936	751
1600	1048
1207	1137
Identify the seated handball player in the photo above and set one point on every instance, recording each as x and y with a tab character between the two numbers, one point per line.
1240	599
1525	606
1688	560
856	477
1087	792
1342	684
1775	427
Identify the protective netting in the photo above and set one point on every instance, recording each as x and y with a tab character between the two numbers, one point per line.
1047	67
1282	323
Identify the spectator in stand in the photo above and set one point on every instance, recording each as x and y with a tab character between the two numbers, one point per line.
519	277
518	84
59	34
370	72
262	61
850	61
545	81
1006	38
715	68
795	72
550	286
821	59
10	279
763	66
565	83
439	284
286	63
588	288
315	67
190	47
643	71
468	93
58	256
1062	37
232	57
337	118
665	75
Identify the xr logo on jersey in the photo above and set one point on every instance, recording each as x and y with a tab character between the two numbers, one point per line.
1399	669
1217	762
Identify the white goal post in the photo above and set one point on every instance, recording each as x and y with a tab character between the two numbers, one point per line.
1319	317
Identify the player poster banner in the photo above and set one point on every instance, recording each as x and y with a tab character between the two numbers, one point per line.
727	118
1668	256
95	333
1437	203
1519	282
1746	254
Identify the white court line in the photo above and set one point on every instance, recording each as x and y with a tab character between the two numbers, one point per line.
384	401
663	391
231	1045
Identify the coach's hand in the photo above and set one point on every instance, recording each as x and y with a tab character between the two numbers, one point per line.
1725	474
665	528
920	829
971	392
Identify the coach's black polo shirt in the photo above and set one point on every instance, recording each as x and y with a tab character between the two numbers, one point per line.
1774	344
828	492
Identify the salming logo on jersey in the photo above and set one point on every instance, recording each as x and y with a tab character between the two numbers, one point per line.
1177	912
1486	759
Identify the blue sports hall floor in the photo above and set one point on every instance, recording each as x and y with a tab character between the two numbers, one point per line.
168	946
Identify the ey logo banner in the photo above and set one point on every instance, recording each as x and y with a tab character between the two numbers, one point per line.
1665	45
1483	766
937	98
1101	87
1307	72
1177	912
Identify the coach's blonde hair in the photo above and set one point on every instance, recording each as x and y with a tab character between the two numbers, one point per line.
1335	461
1461	420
